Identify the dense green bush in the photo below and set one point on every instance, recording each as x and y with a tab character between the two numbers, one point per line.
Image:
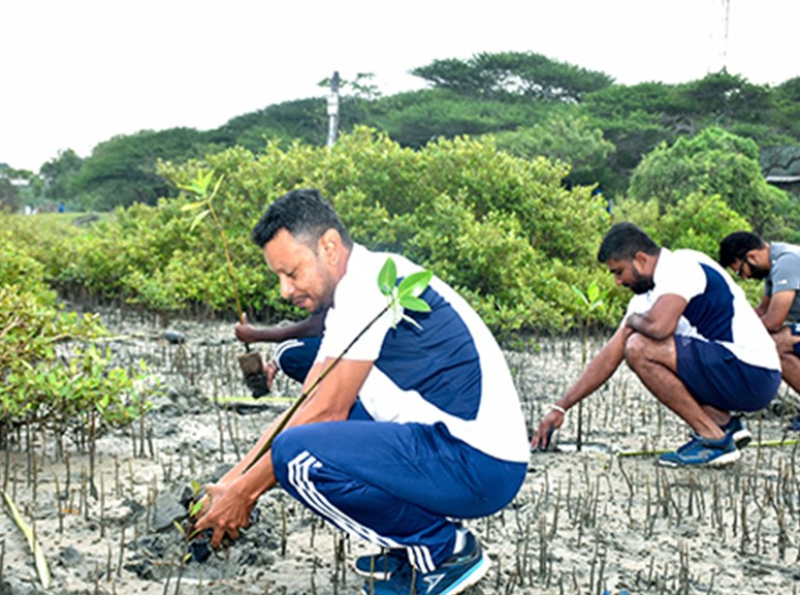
52	374
504	230
717	162
498	227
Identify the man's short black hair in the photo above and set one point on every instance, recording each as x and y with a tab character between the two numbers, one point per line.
623	241
305	214
736	245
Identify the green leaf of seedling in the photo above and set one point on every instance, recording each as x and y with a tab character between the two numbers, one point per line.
179	527
198	218
414	284
193	206
194	534
187	557
415	304
196	487
593	292
387	278
581	296
202	180
216	188
196	507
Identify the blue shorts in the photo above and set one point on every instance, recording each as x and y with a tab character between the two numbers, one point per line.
714	376
796	332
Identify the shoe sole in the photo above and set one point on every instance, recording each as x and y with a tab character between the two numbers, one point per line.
742	438
376	575
722	460
475	574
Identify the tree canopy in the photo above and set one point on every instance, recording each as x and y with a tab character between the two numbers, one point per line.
513	76
532	105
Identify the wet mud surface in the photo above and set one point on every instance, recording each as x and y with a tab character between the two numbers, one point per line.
604	517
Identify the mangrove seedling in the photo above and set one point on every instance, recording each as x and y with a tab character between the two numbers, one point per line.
589	302
201	188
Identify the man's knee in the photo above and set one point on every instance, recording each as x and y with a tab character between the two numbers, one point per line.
285	448
789	357
786	342
635	350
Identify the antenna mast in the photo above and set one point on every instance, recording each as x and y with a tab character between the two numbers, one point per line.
727	8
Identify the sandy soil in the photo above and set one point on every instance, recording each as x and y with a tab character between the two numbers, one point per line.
583	522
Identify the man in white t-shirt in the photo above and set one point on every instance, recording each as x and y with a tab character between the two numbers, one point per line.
416	426
778	265
691	337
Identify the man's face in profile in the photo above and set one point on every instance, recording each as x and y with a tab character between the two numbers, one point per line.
627	274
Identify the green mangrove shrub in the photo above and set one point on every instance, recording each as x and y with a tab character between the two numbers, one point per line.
53	375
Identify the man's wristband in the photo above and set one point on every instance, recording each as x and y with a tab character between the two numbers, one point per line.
559	408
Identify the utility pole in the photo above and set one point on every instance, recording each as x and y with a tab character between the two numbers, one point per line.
727	8
333	109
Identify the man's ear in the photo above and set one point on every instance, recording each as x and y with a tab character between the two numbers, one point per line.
640	258
329	246
754	256
645	263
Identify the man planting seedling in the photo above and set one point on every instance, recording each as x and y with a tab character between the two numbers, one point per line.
693	340
418	424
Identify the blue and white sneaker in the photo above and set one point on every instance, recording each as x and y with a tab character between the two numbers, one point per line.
741	435
458	573
794	424
703	452
381	566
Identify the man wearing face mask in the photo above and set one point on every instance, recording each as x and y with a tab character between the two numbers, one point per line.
691	337
778	265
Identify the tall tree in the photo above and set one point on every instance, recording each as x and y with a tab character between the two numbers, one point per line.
9	196
513	76
567	138
58	174
122	171
721	98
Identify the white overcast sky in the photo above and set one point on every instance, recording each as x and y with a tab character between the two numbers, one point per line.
77	72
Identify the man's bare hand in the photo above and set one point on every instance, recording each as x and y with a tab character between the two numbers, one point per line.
542	435
229	512
245	332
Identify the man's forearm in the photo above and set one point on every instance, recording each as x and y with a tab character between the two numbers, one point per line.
641	324
597	372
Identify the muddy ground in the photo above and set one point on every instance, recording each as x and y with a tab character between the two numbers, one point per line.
602	518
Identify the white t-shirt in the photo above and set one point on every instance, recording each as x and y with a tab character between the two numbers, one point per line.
451	371
717	308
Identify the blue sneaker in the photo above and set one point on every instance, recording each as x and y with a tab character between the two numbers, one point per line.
702	452
381	566
741	435
456	574
794	424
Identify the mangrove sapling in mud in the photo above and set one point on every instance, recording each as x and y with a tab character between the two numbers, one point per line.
250	362
589	303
